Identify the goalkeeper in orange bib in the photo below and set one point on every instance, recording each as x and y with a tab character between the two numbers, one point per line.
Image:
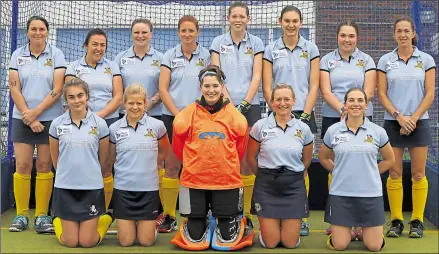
209	137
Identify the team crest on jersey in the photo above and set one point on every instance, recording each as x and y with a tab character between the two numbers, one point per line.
360	62
108	71
149	133
249	51
93	131
49	62
304	54
155	63
299	134
200	62
419	64
368	139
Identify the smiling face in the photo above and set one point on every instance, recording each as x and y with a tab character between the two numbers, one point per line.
283	101
355	104
238	19
404	33
211	89
188	32
96	47
141	34
76	98
290	23
135	106
347	39
37	32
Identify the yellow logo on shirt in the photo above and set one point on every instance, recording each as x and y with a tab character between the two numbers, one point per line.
360	62
155	63
299	134
368	139
304	54
249	51
108	71
200	62
419	64
49	62
93	131
149	133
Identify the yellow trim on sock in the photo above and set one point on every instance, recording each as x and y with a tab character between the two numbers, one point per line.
249	182
108	190
170	194
104	224
43	192
419	198
57	225
395	196
22	193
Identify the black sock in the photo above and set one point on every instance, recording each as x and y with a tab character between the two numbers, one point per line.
228	227
196	227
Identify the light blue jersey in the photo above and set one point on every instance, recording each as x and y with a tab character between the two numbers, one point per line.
36	78
136	153
406	81
345	75
78	166
237	63
292	67
356	172
280	147
184	87
99	79
145	70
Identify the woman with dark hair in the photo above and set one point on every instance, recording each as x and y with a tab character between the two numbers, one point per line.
36	75
105	81
356	195
406	88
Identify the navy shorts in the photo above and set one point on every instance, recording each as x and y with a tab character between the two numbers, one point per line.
168	120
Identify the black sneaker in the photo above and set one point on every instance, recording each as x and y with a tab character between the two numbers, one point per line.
170	224
396	228
248	226
416	229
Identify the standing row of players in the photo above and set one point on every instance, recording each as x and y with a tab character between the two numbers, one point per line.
405	87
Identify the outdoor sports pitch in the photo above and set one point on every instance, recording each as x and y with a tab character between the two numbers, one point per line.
30	242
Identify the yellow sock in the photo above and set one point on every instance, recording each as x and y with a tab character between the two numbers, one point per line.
58	229
395	195
108	190
419	197
104	224
161	175
329	242
170	195
329	181
249	182
307	191
22	193
43	192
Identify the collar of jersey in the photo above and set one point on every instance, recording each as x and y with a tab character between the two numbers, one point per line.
272	121
281	45
26	50
229	40
124	122
365	125
395	57
130	52
354	54
84	63
179	53
68	118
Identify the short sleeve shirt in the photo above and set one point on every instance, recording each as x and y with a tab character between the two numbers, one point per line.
78	166
36	78
278	147
136	153
355	172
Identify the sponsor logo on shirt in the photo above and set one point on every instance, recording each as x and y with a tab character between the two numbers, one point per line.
108	71
360	63
249	51
299	134
304	54
212	135
419	64
368	139
93	130
48	62
155	63
149	133
200	62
